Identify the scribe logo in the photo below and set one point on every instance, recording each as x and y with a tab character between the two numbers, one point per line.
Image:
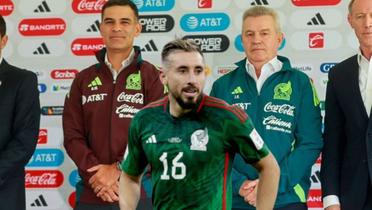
87	6
204	4
42	27
63	74
6	7
307	3
156	23
43	179
210	43
316	40
86	47
43	136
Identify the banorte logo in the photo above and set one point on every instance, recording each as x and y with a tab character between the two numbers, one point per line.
306	3
314	199
6	7
43	179
86	47
42	27
43	136
63	74
316	40
87	6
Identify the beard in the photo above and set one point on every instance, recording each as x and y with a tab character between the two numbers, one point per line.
189	103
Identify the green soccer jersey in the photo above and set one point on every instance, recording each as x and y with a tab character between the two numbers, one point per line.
191	156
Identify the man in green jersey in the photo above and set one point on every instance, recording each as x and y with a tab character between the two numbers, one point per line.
284	109
189	140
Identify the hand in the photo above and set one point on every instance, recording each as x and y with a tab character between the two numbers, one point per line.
248	191
333	207
111	194
104	178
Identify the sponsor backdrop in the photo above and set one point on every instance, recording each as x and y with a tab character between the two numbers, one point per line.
57	38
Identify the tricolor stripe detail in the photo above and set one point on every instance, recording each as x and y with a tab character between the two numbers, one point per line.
225	172
215	102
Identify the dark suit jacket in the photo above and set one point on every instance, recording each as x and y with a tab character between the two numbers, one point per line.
19	128
347	153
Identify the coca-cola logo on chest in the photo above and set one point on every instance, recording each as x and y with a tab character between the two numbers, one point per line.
88	6
43	179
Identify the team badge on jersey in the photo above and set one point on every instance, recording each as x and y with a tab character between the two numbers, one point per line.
134	82
283	91
199	140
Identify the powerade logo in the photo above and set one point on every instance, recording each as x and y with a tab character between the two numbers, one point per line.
156	23
325	67
42	88
205	22
46	158
74	178
154	5
210	43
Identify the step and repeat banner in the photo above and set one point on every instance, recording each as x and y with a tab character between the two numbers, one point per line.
57	38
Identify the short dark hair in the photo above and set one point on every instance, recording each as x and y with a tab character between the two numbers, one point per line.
111	3
181	45
2	26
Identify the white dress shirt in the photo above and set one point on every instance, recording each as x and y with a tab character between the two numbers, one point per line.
268	69
125	63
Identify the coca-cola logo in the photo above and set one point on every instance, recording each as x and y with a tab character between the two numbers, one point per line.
6	7
63	73
42	27
285	109
86	47
43	179
43	136
136	98
87	6
316	40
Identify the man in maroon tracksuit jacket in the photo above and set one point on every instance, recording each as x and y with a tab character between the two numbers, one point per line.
102	101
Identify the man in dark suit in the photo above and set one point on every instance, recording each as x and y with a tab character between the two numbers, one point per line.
19	127
346	171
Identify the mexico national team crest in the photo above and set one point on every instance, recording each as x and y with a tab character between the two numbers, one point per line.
199	140
283	91
134	81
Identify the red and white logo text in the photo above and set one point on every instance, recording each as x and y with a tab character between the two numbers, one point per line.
63	73
43	179
6	7
42	27
84	47
315	199
316	40
306	3
43	136
88	6
204	4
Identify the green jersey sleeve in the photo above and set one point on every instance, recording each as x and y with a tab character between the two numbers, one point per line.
134	161
246	140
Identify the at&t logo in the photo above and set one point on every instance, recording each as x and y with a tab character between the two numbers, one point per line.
205	22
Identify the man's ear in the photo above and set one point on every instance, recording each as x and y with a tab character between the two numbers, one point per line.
163	76
3	41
